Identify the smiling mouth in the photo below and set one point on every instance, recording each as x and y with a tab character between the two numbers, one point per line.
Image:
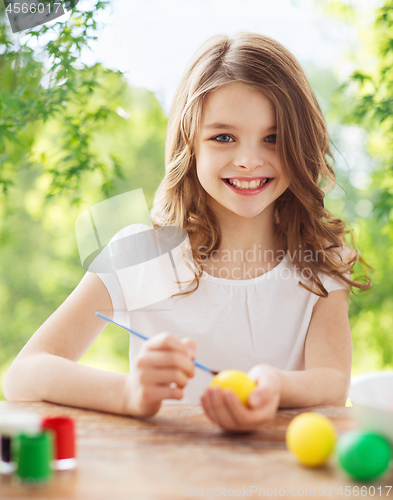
254	184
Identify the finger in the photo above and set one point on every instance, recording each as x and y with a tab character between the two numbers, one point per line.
166	359
207	406
236	409
223	417
191	346
163	377
246	419
249	418
268	383
261	395
165	341
255	372
207	403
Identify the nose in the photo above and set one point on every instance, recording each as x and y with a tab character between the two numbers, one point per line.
250	157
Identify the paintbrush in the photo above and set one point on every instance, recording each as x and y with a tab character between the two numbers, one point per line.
196	363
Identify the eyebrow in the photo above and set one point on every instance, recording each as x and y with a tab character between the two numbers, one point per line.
227	126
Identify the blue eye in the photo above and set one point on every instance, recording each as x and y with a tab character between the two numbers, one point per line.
274	136
271	138
222	135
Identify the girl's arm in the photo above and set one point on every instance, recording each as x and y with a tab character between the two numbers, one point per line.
328	357
46	369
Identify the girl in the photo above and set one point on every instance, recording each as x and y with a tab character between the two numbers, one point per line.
247	153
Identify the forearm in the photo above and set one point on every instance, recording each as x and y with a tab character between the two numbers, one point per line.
316	386
46	377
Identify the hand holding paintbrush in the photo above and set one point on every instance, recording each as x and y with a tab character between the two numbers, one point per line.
107	318
161	371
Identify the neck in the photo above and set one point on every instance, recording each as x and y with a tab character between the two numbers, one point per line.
257	234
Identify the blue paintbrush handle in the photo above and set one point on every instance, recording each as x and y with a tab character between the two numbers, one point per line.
107	318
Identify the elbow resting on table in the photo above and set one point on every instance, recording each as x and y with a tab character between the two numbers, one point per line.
10	387
18	383
313	387
341	396
337	393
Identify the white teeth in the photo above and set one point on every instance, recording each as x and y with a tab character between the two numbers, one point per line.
247	185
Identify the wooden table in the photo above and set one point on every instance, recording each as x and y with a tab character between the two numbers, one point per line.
180	453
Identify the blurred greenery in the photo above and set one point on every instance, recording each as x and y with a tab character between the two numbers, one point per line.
72	135
365	99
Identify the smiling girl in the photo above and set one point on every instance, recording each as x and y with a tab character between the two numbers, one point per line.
247	154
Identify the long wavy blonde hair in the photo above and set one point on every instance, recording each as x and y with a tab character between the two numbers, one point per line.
302	146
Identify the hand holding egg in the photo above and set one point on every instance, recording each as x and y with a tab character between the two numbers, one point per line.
242	402
236	381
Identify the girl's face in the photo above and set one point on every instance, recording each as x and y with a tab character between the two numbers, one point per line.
235	151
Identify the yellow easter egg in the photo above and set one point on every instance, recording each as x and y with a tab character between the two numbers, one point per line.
235	380
311	437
